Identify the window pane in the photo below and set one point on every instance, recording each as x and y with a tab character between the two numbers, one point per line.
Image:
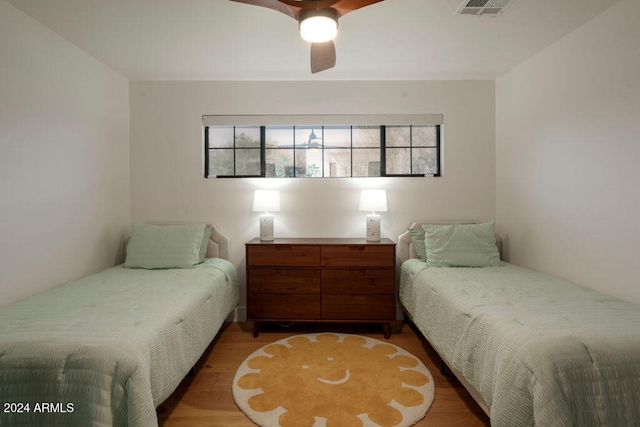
337	162
277	162
248	136
337	136
221	162
221	137
279	136
248	162
308	137
366	136
397	136
308	163
425	161
313	162
366	162
424	136
398	161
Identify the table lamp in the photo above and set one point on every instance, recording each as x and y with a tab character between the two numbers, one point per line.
266	201
373	200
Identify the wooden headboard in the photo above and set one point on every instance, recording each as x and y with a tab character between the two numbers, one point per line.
405	245
219	244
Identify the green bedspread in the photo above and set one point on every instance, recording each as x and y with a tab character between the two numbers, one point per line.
540	350
107	349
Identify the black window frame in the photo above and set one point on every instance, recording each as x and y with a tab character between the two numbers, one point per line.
382	148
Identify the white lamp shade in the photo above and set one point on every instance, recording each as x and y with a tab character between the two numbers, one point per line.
373	200
266	201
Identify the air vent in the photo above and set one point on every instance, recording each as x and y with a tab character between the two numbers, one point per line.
483	7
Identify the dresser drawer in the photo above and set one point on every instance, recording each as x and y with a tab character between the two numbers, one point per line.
358	256
283	280
358	281
362	307
283	306
283	255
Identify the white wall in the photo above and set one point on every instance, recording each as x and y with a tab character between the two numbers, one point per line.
568	156
167	181
64	159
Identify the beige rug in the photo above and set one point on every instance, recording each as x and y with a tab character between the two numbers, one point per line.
333	380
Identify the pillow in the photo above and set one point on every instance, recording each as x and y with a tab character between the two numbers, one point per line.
165	246
417	237
205	242
461	245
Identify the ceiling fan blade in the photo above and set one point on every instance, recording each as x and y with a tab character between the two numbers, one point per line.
346	6
341	6
277	5
323	56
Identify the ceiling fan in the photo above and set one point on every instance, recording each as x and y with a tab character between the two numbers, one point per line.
318	20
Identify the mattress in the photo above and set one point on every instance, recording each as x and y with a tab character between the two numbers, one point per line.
107	349
540	350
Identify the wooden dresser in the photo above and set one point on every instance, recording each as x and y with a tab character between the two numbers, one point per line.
321	280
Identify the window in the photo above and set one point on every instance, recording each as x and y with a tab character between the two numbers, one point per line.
412	150
313	151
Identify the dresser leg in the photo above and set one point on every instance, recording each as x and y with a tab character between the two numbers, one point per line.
387	330
256	328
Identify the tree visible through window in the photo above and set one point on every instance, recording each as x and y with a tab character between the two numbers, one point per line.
322	151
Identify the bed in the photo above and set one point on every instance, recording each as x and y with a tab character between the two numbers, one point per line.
531	349
107	349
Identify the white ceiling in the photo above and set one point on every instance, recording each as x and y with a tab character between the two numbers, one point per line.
391	40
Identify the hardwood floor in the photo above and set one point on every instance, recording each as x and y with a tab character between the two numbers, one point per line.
205	398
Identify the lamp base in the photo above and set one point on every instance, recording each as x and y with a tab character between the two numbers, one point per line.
266	227
373	228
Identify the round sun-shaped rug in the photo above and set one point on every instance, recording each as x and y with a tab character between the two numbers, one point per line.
333	380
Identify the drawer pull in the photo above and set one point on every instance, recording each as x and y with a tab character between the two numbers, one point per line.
284	247
356	248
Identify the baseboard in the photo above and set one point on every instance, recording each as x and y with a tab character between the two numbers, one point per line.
239	314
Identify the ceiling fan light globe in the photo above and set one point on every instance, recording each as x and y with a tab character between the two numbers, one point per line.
318	29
